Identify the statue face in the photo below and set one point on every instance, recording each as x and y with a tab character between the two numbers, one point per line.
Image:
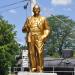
36	10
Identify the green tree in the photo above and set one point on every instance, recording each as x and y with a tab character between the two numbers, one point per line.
61	36
23	47
8	46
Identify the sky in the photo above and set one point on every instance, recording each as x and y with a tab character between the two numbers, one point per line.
18	16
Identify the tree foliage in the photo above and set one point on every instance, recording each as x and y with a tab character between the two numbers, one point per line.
8	46
62	34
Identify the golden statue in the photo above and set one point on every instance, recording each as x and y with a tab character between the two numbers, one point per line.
37	30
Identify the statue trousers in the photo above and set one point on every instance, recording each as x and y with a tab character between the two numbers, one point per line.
35	51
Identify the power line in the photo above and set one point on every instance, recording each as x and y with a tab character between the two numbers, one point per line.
5	6
56	17
11	8
59	19
24	6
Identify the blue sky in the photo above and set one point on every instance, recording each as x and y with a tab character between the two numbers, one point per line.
48	7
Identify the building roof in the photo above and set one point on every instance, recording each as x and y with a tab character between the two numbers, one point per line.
60	62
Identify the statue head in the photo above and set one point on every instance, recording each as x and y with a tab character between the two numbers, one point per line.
36	9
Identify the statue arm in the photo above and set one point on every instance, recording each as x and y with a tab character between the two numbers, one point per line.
46	29
25	27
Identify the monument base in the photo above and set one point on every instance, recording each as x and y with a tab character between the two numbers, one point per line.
34	73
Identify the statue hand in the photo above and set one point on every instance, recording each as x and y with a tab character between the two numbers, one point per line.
42	38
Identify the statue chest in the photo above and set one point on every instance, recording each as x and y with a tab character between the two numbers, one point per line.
36	23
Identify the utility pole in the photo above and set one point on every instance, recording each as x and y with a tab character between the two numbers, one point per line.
32	3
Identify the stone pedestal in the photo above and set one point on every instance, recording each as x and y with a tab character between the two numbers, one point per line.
30	73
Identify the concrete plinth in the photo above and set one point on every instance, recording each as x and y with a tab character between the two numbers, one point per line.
30	73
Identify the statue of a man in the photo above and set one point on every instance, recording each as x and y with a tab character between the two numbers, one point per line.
37	30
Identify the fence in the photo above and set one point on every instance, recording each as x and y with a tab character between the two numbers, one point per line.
60	70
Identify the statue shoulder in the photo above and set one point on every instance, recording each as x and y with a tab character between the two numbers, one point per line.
43	18
29	17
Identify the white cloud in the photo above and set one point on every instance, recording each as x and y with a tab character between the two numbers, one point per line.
12	11
61	2
67	9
